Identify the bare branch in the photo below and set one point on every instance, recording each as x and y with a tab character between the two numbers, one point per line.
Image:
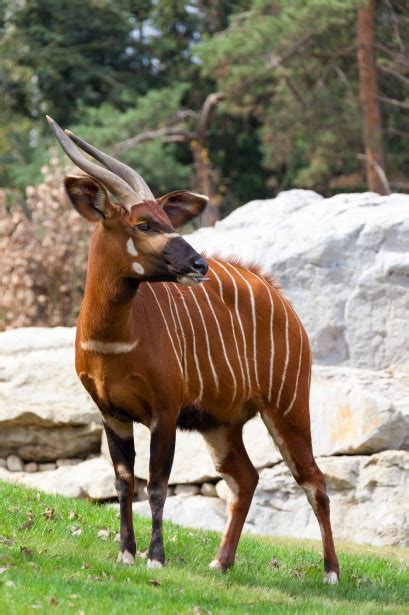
395	73
393	102
206	113
169	135
379	171
399	133
396	26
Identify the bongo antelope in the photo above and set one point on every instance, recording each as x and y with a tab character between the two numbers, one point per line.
168	339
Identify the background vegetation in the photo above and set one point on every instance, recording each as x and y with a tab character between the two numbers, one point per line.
238	99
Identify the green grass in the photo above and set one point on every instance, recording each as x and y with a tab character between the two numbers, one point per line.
45	568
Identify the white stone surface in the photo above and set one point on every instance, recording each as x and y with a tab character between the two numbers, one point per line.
195	511
369	496
186	490
357	411
14	463
93	479
45	413
342	261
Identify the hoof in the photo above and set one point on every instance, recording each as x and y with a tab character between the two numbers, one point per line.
331	578
154	563
126	558
215	565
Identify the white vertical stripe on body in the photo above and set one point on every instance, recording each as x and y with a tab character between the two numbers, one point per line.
170	299
269	291
184	339
253	316
298	373
234	332
209	356
167	328
287	356
222	342
194	349
236	309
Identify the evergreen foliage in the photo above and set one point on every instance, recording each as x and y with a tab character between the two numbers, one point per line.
290	117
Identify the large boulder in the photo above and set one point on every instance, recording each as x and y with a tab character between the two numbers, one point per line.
342	261
367	500
195	511
358	411
45	413
92	479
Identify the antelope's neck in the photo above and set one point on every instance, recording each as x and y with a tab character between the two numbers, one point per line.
106	315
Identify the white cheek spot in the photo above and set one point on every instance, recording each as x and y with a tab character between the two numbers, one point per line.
130	246
171	235
137	267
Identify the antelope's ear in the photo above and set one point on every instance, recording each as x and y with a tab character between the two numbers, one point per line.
182	206
89	198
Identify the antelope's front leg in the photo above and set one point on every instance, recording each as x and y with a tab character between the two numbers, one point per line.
163	438
121	447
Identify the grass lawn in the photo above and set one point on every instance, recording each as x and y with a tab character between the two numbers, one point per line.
52	560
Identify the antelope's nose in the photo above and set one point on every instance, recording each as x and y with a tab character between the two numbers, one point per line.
200	266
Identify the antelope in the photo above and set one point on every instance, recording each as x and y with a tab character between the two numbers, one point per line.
171	340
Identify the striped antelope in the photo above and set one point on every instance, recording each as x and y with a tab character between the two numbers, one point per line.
156	346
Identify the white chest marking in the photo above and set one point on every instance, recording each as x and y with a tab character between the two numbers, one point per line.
130	246
137	267
108	347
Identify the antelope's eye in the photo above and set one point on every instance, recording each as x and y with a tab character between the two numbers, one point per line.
143	226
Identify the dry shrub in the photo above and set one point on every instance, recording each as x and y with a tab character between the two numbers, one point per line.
42	259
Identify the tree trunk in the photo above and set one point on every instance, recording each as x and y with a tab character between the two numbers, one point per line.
372	125
202	167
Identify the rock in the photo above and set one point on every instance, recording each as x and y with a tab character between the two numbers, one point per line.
190	511
2	463
208	490
187	490
93	479
357	411
45	467
14	463
31	467
342	261
367	495
223	491
74	461
45	413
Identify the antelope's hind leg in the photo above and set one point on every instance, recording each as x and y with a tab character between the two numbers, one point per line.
232	462
121	447
292	435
